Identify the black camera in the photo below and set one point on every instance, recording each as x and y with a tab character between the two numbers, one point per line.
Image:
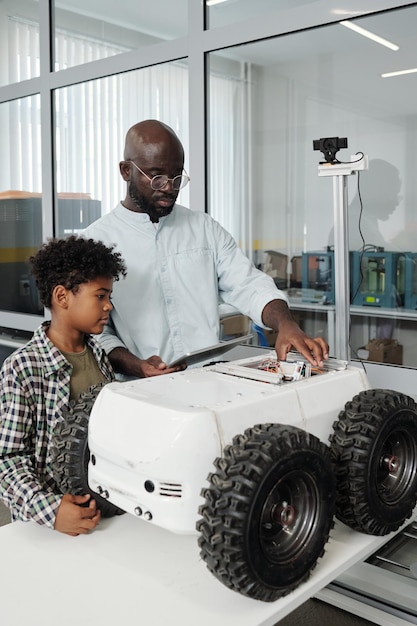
329	146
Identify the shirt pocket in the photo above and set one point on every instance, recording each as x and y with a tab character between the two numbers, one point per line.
195	273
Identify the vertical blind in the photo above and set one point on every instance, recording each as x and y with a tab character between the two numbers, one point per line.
92	119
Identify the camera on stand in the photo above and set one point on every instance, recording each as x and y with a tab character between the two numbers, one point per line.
329	146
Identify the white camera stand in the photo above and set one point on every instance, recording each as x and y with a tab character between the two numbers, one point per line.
340	172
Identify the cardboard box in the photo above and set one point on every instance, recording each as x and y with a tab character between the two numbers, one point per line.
383	351
296	275
275	264
234	326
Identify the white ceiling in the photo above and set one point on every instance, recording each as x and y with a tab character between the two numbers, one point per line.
353	63
169	18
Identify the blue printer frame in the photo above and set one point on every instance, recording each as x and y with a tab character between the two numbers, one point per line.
377	278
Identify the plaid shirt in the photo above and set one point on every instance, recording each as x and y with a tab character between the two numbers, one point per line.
34	391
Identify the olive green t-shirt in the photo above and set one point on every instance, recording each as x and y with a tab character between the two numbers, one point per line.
85	372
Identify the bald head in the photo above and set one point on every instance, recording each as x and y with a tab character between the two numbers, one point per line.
144	135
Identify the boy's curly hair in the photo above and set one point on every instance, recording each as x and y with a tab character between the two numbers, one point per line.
71	262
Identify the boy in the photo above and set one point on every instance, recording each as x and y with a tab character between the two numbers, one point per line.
74	277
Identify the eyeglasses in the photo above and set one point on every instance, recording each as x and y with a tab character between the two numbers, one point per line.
161	180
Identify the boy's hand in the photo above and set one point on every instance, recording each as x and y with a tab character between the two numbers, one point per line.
74	519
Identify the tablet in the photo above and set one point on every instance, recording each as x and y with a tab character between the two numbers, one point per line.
212	352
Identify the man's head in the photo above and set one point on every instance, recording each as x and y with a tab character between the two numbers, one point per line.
151	149
72	262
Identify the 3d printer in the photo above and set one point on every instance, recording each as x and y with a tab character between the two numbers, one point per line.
410	299
377	278
317	270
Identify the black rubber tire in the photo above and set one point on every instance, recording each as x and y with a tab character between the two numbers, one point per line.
70	452
374	451
268	511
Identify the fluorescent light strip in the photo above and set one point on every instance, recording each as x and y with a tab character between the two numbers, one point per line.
211	3
367	33
413	70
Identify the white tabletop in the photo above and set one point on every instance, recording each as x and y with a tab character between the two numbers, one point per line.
131	572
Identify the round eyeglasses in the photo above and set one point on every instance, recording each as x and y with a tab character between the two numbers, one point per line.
161	180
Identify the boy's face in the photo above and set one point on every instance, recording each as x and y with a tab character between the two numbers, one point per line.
89	308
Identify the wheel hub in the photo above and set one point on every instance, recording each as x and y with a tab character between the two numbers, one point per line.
391	464
284	514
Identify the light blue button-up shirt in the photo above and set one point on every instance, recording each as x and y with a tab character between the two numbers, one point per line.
178	271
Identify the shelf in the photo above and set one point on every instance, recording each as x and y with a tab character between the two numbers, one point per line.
369	311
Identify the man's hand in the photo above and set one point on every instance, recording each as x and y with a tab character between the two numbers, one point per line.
127	363
154	366
277	315
290	336
74	519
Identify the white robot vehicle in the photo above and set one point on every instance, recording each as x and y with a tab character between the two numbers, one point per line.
255	456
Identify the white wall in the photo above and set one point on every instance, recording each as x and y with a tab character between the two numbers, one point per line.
291	113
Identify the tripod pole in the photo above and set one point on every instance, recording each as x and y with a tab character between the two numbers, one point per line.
341	267
340	172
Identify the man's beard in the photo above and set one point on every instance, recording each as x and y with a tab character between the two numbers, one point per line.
155	213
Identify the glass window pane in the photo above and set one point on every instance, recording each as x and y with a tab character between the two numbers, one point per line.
268	102
91	123
20	203
19	40
90	30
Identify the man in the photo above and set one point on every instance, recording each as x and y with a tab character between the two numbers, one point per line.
180	264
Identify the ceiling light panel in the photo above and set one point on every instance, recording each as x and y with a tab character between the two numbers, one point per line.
369	35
